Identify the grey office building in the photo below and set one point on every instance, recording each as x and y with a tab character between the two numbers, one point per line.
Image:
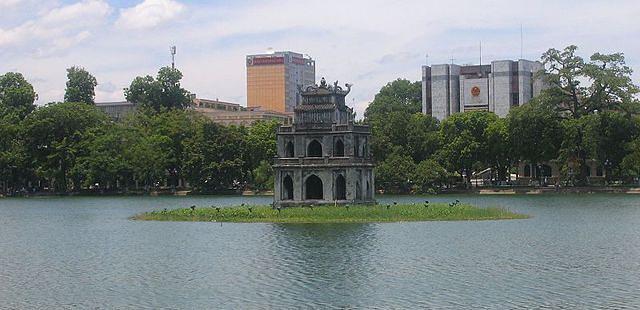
451	88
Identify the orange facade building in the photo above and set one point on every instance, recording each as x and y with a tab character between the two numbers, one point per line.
273	79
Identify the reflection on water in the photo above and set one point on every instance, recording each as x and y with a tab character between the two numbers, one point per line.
576	252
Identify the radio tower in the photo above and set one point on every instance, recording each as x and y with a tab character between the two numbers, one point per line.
173	57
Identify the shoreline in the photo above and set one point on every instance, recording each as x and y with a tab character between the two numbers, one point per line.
472	191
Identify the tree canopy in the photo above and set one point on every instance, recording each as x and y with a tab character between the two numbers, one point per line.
80	86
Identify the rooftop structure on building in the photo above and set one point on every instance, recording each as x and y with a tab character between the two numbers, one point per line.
117	110
273	79
496	87
227	113
323	157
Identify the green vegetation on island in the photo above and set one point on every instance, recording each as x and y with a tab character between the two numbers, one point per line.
333	214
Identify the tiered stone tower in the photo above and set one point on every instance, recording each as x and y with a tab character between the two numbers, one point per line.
323	158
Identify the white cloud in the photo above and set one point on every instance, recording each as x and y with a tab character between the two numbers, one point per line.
57	26
5	4
149	14
364	42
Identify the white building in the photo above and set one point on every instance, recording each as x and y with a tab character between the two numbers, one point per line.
451	88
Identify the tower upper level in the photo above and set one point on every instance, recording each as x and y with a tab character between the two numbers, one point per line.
323	105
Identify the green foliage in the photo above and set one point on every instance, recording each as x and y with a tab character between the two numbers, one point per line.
395	172
80	86
630	166
429	176
53	136
464	142
214	157
263	177
400	95
163	92
535	132
16	95
333	214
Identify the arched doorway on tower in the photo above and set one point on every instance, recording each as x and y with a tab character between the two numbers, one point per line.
341	188
287	188
313	188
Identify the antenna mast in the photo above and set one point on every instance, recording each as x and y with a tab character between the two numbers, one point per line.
173	56
521	43
480	53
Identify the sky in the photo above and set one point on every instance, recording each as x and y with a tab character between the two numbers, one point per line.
367	43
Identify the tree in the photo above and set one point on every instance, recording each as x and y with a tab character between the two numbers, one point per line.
463	141
579	88
535	132
16	102
400	95
214	157
395	172
80	86
163	92
499	153
149	158
429	176
16	95
53	136
607	135
263	178
630	165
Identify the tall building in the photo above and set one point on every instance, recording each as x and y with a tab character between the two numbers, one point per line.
451	88
273	79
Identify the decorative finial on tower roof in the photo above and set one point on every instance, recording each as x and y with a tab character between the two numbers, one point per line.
323	83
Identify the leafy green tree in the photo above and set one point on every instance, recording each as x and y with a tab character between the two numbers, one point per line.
16	102
16	95
163	92
214	158
395	172
606	136
263	177
148	158
535	132
429	176
53	135
80	86
630	166
579	87
499	153
400	95
463	141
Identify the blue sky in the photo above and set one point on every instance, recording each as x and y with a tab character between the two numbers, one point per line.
364	42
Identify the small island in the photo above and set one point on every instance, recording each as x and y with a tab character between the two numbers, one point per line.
333	214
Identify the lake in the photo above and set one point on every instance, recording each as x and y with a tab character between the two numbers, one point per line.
577	251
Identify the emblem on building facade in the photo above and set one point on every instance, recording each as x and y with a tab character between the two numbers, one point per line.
475	91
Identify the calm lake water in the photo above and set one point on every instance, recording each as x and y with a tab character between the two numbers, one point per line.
576	252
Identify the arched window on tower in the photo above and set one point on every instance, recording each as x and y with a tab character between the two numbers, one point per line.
338	150
314	149
289	150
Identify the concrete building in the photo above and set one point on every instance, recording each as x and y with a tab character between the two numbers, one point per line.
272	79
324	157
117	110
227	113
451	88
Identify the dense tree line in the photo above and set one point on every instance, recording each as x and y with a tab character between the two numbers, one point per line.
72	146
589	111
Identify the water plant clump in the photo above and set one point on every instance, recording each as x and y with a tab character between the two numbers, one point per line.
333	214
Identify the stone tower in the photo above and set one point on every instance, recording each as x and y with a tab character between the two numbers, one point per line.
323	157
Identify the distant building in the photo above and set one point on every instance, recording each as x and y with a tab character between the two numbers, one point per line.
450	88
117	110
227	113
272	79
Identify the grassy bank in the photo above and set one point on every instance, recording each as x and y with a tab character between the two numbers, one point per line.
332	214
